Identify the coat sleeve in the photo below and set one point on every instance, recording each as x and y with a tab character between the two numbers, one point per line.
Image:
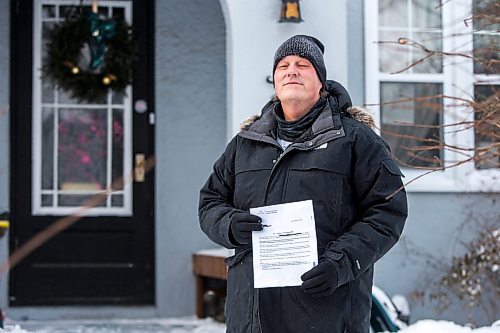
381	210
216	199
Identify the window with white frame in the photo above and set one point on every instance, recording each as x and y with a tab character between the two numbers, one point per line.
79	148
432	82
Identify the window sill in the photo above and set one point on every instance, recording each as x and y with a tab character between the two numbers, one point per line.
460	180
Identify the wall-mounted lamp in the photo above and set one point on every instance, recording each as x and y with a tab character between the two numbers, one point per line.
290	11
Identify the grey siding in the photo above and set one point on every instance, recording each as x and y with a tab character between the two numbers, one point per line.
190	135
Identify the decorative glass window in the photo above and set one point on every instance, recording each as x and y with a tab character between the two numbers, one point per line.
425	103
79	149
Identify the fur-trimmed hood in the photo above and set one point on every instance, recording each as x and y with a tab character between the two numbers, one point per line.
339	99
355	112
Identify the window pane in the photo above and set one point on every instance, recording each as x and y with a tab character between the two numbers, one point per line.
486	37
76	200
118	13
103	11
486	52
482	15
117	97
71	11
47	148
393	13
82	149
433	64
47	200
48	11
426	13
422	31
117	140
393	57
487	132
46	28
117	200
410	117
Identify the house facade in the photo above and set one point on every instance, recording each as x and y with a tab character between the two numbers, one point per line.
203	67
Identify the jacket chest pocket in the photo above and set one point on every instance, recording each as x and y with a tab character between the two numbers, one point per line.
323	182
251	174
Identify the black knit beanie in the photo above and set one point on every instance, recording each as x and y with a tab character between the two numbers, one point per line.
306	47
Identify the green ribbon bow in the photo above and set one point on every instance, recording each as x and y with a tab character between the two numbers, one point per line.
99	31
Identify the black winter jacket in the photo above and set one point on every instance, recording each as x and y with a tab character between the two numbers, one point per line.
348	173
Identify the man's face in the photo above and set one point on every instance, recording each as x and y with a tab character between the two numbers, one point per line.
295	80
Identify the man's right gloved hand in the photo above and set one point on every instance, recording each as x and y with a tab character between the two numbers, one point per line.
242	225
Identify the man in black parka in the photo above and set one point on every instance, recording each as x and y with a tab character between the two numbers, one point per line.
307	144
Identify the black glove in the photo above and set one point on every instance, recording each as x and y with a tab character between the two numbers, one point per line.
321	280
242	225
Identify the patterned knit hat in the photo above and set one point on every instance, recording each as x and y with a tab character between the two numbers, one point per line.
306	47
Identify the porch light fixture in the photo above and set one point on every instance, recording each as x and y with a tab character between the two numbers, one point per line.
290	11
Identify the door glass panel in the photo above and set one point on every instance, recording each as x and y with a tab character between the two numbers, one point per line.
47	148
410	117
47	200
117	200
80	147
48	11
118	12
117	97
76	200
117	144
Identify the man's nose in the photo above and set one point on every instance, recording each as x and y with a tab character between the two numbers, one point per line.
292	71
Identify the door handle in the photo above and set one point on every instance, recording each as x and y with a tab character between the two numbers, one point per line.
139	170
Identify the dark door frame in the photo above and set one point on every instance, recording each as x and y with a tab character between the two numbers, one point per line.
21	146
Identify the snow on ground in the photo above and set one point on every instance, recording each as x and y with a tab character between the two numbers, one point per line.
193	325
433	326
172	325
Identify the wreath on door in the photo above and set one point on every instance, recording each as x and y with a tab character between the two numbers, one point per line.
87	56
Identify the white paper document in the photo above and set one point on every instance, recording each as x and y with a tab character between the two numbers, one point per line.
286	248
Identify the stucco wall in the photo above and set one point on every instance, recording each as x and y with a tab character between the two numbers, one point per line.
4	131
437	225
255	34
190	135
355	54
4	104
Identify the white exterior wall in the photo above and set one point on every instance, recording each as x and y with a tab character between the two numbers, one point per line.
254	34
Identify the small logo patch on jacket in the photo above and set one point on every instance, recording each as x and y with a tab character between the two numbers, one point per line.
323	146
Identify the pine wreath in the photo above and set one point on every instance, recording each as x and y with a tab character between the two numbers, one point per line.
69	43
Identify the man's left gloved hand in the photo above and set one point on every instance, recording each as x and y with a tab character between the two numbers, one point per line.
321	280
